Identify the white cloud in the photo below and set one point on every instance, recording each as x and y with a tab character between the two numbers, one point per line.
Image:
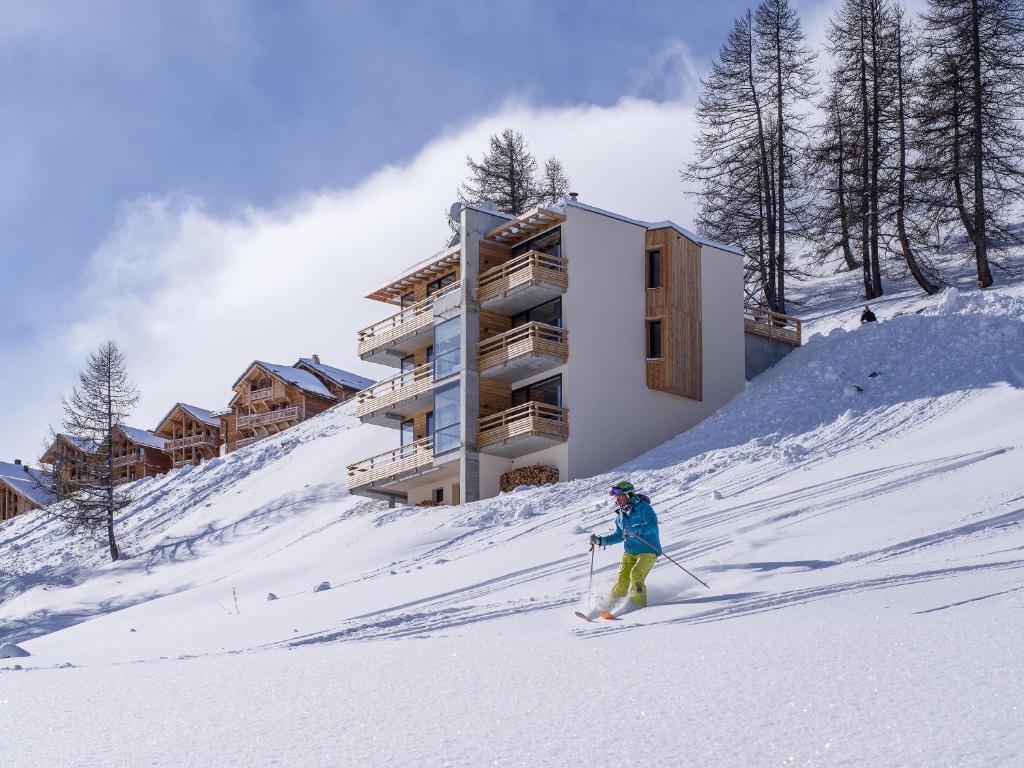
193	297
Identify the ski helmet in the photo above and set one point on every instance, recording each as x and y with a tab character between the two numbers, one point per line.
621	487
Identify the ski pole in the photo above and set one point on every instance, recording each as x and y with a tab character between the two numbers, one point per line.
677	565
590	584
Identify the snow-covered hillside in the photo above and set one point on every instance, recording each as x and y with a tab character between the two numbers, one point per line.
858	513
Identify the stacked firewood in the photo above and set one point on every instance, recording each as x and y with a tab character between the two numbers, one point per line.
536	474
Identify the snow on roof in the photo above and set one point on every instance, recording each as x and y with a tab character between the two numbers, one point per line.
23	480
304	380
198	413
648	224
143	437
337	375
83	444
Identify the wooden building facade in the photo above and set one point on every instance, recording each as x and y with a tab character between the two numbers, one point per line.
138	453
22	489
192	434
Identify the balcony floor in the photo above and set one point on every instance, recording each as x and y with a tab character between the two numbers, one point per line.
521	298
442	468
522	445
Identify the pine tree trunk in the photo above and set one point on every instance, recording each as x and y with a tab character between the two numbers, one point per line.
844	221
979	236
918	273
114	554
876	276
766	185
865	252
780	295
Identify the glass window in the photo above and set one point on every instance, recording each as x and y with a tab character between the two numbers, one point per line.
547	391
408	299
654	339
430	423
549	313
408	363
439	495
447	419
442	282
654	269
408	432
447	347
549	243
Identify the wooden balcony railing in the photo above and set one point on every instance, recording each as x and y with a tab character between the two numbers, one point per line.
128	459
256	395
529	419
532	268
188	442
530	340
387	393
772	325
392	463
251	420
246	441
411	319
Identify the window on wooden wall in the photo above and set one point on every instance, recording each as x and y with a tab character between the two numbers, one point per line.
654	268
654	339
442	282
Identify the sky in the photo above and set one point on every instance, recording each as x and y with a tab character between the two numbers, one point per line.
209	183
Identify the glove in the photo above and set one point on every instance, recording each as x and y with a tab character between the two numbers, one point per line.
595	540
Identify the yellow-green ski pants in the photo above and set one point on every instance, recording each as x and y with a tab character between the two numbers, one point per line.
632	575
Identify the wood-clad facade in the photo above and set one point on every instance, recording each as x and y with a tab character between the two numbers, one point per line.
138	454
71	462
269	398
22	489
192	435
673	333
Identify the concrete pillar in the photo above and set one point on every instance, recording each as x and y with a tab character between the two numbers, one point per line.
474	225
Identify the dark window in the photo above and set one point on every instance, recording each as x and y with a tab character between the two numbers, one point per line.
408	299
547	391
408	363
549	243
549	313
447	347
653	339
654	269
430	423
442	282
447	419
439	495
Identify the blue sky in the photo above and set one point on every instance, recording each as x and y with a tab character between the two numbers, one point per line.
131	119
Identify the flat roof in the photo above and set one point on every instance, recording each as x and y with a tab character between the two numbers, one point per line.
436	266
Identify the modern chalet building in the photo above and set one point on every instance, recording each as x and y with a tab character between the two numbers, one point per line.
270	397
71	459
138	453
570	338
191	434
21	489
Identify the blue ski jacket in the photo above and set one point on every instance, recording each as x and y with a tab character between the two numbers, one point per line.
635	521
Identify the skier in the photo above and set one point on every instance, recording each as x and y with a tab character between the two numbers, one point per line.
636	525
867	316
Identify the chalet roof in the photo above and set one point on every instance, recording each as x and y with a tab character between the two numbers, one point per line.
200	414
83	444
304	380
142	437
337	375
436	266
23	481
526	226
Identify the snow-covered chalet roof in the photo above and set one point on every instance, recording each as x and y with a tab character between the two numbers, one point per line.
304	380
201	414
143	437
337	375
23	481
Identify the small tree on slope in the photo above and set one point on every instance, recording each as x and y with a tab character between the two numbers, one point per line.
102	401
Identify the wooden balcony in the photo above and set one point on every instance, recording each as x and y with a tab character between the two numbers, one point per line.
523	282
523	351
387	341
391	465
389	402
128	460
523	429
253	420
772	325
247	441
189	442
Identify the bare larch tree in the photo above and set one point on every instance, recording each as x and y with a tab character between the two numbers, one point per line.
508	176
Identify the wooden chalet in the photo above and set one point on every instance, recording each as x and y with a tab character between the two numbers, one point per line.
71	460
270	397
138	453
192	434
22	489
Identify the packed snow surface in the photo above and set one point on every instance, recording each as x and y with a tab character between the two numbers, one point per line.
858	513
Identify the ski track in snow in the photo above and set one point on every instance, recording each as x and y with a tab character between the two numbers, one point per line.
803	498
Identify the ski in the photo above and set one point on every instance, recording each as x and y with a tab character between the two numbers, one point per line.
608	615
584	616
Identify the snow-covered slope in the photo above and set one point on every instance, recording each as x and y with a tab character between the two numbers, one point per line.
858	512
